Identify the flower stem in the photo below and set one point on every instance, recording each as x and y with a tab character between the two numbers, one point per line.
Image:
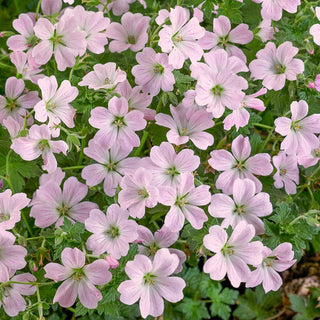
261	125
73	168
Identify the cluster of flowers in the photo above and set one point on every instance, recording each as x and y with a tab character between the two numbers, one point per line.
166	176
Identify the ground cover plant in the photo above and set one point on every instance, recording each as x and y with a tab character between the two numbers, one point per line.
159	159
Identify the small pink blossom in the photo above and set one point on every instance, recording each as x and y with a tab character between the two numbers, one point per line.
180	38
38	142
11	295
153	72
112	165
138	192
117	124
239	165
287	174
149	244
112	232
310	158
315	29
130	34
50	7
112	262
150	282
275	65
299	131
118	7
184	201
79	280
223	37
278	260
55	104
187	123
245	206
233	254
104	76
10	208
266	31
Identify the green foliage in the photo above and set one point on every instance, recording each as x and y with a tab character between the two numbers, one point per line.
306	308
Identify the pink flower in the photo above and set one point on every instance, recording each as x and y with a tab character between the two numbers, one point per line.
38	142
117	124
112	165
112	262
112	232
310	158
315	29
245	206
24	25
136	99
15	104
149	244
287	172
180	38
187	123
223	37
275	65
55	103
184	201
62	40
240	116
10	208
167	166
272	9
12	256
299	130
130	34
280	259
233	254
78	279
104	76
12	299
138	192
266	30
52	204
153	72
151	282
118	7
50	7
239	165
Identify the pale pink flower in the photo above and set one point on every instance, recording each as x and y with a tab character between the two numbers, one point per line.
104	76
62	40
138	192
12	299
27	39
266	31
112	262
315	84
153	72
299	131
55	104
272	9
118	7
223	37
130	34
239	165
187	123
163	14
310	158
240	116
167	166
13	127
112	165
117	125
287	174
245	206
150	282
112	232
10	208
79	280
278	260
38	142
315	29
12	256
15	104
26	66
275	65
184	201
180	38
50	7
52	204
137	100
94	24
149	244
233	254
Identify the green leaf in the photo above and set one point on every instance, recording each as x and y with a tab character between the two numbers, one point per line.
193	309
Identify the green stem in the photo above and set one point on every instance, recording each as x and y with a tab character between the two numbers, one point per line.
40	309
34	238
143	140
38	9
73	168
261	125
25	220
7	170
268	138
